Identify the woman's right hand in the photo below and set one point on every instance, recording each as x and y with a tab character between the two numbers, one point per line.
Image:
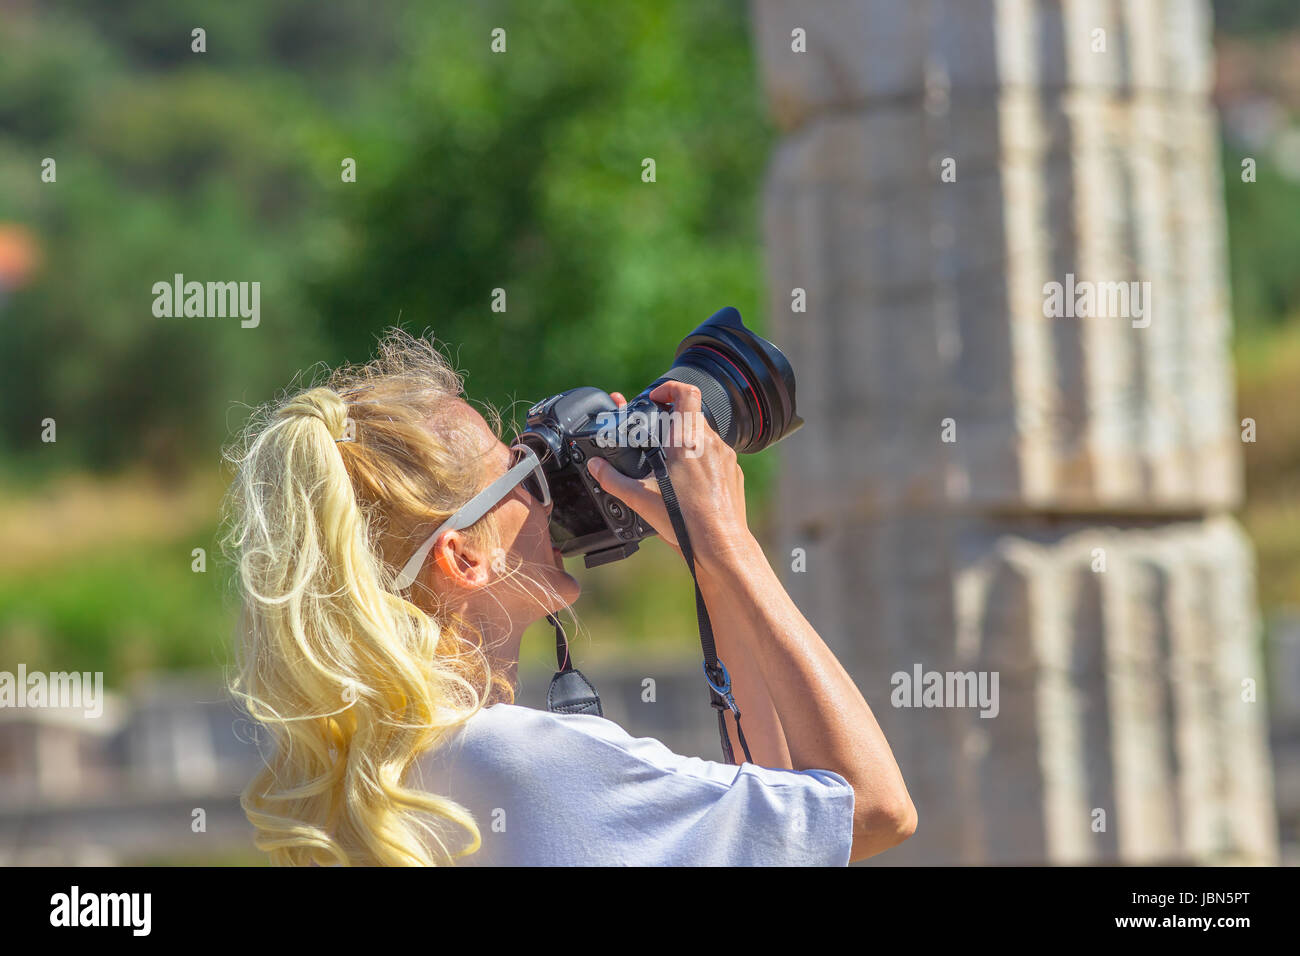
706	476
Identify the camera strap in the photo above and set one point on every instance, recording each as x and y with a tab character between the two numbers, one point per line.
571	692
715	672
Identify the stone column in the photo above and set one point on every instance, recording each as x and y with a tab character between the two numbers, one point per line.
984	487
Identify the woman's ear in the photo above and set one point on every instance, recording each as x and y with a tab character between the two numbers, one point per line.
459	563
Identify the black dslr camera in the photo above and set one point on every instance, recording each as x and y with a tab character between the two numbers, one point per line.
747	387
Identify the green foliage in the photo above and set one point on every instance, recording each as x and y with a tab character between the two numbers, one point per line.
122	611
522	171
1255	17
476	171
1263	245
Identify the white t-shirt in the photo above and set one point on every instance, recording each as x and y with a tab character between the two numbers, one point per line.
578	790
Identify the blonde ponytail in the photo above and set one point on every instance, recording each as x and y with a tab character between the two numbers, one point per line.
351	680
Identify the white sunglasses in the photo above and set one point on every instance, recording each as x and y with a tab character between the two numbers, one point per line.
527	470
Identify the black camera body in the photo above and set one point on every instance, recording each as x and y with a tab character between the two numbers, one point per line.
585	519
748	398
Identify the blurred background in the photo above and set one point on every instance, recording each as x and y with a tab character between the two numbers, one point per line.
523	170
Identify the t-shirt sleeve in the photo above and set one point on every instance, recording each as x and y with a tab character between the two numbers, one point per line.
583	791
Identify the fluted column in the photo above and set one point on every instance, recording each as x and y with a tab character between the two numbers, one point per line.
984	486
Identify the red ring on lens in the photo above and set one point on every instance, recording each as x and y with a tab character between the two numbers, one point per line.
743	378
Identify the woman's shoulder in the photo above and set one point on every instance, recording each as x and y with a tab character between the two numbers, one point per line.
503	727
503	744
504	717
511	739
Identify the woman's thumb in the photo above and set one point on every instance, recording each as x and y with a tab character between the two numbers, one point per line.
614	481
637	494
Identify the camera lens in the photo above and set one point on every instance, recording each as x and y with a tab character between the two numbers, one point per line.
746	384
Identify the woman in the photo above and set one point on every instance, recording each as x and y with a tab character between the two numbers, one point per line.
380	642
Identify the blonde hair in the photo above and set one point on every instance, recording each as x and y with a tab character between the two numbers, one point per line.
353	681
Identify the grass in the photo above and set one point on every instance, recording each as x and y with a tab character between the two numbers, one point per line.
99	575
1268	390
250	857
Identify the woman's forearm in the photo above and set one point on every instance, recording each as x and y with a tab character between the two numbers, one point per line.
826	722
759	718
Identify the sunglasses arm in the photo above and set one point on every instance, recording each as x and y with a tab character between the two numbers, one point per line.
472	511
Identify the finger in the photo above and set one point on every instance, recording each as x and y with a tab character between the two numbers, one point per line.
636	493
690	436
618	398
685	398
642	496
684	421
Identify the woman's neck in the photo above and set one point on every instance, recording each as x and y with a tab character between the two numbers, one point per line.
502	638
